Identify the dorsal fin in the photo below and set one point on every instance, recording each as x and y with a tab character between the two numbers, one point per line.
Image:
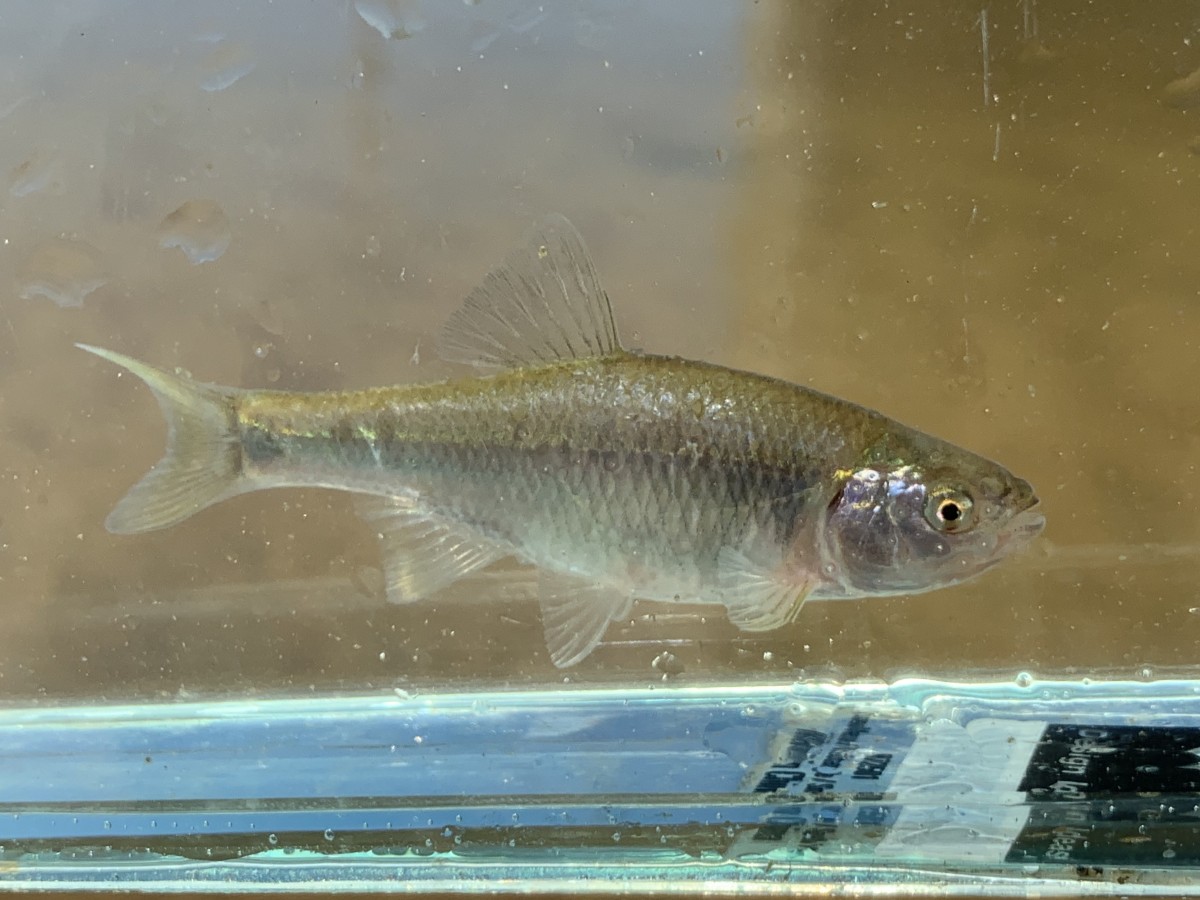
544	303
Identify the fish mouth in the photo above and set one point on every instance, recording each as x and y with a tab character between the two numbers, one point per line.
1024	526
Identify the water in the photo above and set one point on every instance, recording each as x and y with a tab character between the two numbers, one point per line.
1070	785
979	221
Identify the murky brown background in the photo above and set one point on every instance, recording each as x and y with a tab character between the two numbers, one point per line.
1000	247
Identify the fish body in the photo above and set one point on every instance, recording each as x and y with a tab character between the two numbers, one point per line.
617	475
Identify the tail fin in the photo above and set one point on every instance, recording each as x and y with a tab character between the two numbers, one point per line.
203	460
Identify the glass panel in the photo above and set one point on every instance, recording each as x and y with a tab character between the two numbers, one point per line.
978	220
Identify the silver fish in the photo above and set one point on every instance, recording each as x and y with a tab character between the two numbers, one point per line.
619	476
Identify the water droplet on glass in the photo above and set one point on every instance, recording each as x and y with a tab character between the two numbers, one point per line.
272	839
594	34
263	350
37	173
668	663
526	20
1183	93
64	271
485	40
199	228
225	66
394	19
329	834
8	107
269	317
1024	680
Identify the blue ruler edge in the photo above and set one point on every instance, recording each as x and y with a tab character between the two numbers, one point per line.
1094	784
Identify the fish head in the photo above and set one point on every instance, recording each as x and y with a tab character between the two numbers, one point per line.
902	528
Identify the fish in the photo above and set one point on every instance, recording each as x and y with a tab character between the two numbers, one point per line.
614	476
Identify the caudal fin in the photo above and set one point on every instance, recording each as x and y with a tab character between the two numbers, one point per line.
202	463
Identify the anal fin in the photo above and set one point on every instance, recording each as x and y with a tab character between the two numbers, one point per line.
756	597
422	555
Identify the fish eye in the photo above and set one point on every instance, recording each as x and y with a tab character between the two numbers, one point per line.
950	511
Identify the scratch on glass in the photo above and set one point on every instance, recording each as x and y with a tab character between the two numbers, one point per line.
987	74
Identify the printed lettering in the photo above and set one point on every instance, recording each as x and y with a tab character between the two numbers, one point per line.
1071	790
1063	842
873	766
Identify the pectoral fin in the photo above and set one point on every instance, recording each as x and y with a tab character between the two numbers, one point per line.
421	555
756	596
